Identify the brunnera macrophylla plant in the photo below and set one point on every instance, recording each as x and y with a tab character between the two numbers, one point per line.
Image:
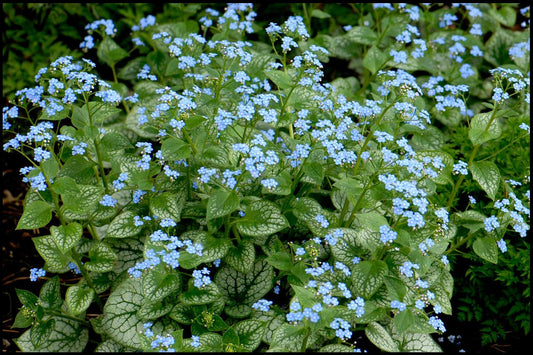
223	197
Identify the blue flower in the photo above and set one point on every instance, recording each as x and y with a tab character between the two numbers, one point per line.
322	221
35	273
387	234
491	223
201	277
270	184
262	305
437	323
398	305
406	268
108	201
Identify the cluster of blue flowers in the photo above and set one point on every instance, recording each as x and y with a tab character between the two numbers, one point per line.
169	254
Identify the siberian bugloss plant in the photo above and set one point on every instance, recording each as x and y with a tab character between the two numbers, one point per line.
218	195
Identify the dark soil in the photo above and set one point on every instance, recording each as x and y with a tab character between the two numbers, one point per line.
19	256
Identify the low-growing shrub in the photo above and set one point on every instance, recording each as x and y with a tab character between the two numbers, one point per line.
216	194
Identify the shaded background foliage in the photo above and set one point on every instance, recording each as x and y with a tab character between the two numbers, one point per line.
491	302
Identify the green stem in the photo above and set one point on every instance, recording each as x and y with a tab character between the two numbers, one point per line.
461	242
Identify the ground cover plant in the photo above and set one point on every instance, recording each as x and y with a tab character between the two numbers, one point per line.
215	193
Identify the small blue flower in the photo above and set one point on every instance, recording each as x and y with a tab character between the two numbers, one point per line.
322	221
108	201
79	149
262	305
35	273
398	305
491	223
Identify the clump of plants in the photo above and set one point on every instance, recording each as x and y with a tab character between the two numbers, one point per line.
216	194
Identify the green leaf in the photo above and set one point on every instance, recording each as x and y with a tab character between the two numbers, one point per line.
158	282
36	214
67	336
110	52
40	332
221	203
182	313
487	174
50	295
121	321
380	337
102	258
362	34
65	185
78	168
368	276
168	205
281	260
27	298
506	15
261	218
155	310
444	175
404	320
100	112
283	188
314	172
305	296
375	59
113	141
55	260
319	14
335	348
80	117
175	149
198	296
371	220
480	131
419	342
85	201
123	226
280	78
66	237
250	333
289	337
22	321
214	248
240	288
241	257
78	298
486	248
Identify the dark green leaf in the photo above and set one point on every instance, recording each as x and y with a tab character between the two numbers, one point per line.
50	294
487	174
110	52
